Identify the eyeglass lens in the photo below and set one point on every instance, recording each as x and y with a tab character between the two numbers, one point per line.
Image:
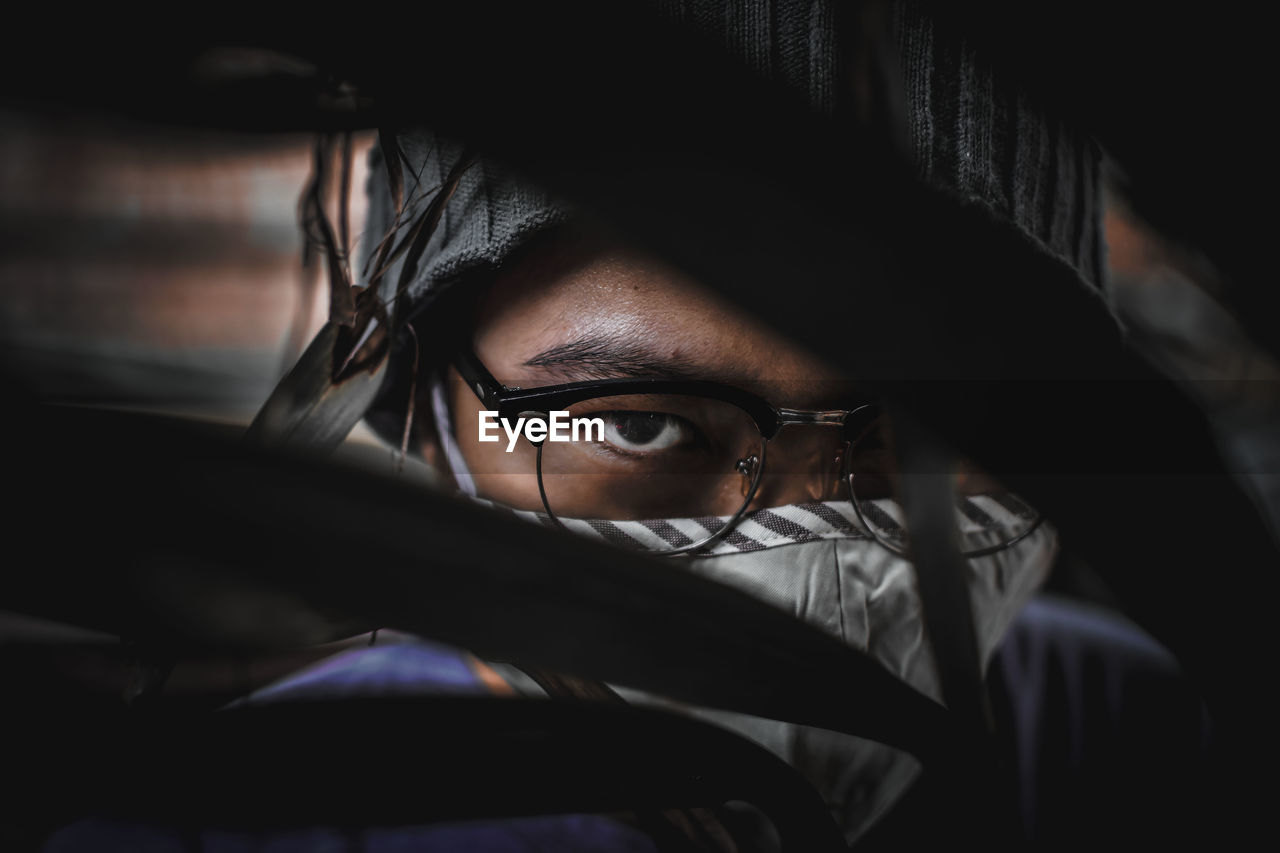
988	516
657	456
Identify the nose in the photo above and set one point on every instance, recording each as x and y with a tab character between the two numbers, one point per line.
802	463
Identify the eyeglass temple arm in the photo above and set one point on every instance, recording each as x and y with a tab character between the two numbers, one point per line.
478	377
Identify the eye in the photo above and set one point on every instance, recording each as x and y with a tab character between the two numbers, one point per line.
645	431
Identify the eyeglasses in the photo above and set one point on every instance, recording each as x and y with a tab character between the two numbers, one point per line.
690	449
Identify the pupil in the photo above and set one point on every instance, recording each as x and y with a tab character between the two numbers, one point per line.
639	429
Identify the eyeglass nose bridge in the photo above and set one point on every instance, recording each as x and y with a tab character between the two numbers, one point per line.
807	470
799	416
846	418
851	422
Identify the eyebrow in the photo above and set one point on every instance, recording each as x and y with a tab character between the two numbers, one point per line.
607	358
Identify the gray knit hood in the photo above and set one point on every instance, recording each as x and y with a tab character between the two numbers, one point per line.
971	132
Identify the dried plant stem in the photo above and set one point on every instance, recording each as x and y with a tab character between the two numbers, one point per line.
413	395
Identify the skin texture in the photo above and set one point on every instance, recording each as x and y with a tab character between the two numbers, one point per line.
634	316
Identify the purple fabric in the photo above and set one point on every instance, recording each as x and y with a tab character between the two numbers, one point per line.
401	669
557	834
1108	732
393	670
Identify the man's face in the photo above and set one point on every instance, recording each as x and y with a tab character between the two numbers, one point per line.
579	307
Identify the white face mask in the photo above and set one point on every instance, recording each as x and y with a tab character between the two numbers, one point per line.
817	562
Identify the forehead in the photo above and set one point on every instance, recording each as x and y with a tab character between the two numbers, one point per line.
575	286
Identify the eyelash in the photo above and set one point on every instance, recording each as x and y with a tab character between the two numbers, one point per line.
697	437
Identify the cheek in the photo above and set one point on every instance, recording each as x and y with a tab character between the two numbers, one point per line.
508	478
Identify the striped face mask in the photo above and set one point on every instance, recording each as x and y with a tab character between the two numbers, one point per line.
818	562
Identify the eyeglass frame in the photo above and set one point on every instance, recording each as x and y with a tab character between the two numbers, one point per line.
513	402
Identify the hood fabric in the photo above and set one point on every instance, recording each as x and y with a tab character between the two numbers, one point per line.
972	131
